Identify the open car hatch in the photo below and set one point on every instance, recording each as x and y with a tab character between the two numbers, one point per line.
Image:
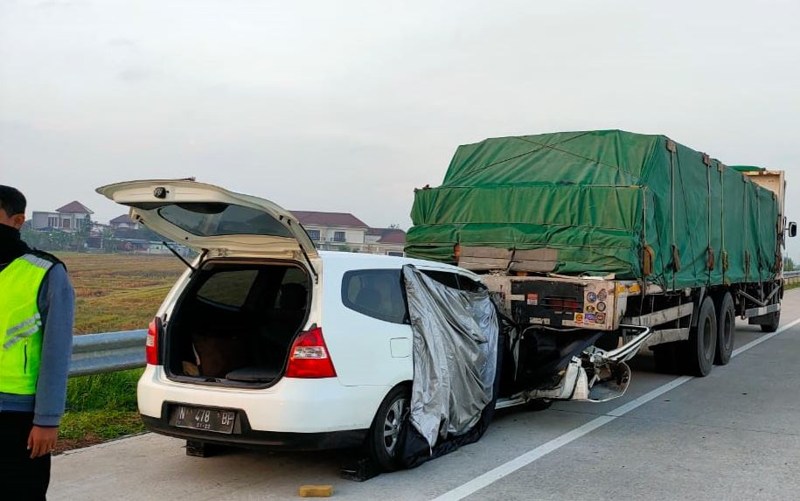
204	216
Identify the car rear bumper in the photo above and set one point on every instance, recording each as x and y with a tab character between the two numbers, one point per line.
290	408
248	437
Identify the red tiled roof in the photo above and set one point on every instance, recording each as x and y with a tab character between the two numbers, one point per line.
341	219
389	235
125	218
74	207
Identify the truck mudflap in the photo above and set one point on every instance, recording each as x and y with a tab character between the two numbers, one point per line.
597	375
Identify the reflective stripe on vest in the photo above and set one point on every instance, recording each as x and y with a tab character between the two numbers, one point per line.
21	324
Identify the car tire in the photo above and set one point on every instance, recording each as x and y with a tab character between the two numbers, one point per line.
702	344
384	434
726	329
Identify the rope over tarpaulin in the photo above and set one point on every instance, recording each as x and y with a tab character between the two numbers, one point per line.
600	198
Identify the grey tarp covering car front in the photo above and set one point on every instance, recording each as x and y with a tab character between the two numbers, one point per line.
456	370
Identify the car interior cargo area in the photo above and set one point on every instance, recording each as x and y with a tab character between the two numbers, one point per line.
235	323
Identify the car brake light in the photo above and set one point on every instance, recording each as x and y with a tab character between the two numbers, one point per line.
151	343
309	358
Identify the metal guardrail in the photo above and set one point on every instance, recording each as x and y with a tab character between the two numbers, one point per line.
791	274
107	352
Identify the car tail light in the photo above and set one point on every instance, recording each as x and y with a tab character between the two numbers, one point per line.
309	357
154	332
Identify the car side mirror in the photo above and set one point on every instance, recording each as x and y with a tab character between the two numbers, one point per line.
792	229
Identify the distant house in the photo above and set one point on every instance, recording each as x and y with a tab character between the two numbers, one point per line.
124	221
389	241
334	230
344	231
71	217
156	247
139	245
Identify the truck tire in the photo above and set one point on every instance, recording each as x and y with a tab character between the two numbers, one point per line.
774	320
666	357
702	343
726	329
384	435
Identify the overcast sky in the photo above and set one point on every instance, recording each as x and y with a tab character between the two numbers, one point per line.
349	105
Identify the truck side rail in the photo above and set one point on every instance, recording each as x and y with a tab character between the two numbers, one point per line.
659	317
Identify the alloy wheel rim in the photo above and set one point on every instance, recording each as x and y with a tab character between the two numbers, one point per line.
392	425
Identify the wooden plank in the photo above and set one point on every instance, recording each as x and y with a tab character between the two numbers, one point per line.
536	260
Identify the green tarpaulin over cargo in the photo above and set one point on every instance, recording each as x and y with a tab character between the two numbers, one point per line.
602	200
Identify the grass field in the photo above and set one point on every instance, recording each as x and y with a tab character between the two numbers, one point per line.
113	292
119	291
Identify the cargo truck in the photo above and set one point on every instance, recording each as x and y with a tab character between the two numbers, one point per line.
598	244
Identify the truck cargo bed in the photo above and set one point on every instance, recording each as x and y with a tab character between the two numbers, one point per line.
603	203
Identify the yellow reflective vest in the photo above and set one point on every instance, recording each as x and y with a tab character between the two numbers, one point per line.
21	324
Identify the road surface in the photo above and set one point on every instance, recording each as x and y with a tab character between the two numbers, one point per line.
732	435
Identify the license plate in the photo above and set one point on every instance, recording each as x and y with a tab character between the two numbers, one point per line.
199	418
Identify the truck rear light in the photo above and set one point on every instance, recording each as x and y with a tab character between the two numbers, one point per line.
309	358
154	332
563	304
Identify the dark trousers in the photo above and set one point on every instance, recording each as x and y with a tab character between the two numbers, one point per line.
21	478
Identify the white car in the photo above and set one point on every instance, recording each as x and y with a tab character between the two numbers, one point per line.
267	341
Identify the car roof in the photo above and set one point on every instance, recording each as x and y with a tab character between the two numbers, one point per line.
353	259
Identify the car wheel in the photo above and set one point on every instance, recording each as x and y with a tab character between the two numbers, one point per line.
726	329
702	344
384	435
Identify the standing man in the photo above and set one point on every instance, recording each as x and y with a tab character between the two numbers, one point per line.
37	307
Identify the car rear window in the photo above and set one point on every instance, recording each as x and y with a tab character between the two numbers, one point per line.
375	293
215	218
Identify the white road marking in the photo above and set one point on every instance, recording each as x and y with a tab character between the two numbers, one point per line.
767	337
532	455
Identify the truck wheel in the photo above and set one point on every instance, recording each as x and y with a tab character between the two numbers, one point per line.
384	435
702	344
774	320
666	357
726	329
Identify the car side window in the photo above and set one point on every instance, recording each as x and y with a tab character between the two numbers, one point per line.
467	284
454	280
443	277
375	293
